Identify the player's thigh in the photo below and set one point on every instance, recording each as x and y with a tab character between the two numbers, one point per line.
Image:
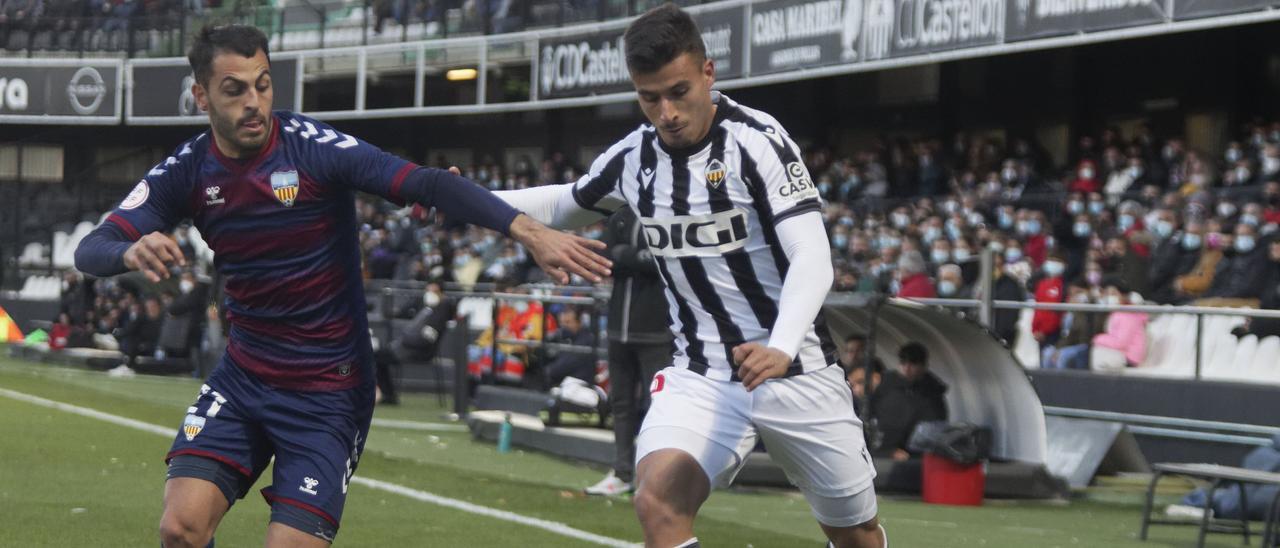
809	427
220	441
704	418
318	439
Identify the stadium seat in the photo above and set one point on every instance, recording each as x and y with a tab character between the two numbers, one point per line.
1219	352
1263	360
1025	347
1241	364
1155	352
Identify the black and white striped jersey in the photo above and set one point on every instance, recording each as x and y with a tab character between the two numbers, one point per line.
708	213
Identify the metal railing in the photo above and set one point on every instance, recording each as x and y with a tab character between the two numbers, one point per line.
1177	428
304	25
986	307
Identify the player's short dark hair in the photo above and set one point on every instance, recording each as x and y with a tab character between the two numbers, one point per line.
914	353
241	39
659	36
855	337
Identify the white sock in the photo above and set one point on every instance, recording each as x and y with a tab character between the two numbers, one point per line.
688	543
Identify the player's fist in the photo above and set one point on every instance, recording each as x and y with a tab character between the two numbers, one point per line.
152	255
758	363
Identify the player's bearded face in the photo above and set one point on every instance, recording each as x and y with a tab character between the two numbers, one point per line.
677	99
238	98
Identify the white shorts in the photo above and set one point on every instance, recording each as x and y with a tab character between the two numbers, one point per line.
807	424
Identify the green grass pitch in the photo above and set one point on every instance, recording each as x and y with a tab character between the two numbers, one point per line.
69	480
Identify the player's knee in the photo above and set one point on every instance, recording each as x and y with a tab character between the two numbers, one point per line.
654	509
179	533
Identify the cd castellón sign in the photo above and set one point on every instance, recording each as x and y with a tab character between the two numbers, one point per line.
593	63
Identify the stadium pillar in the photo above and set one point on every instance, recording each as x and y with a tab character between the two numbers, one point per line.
986	282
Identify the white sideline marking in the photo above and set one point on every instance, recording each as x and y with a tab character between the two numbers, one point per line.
504	515
416	425
551	526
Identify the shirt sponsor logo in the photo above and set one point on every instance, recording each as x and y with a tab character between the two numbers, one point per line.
708	235
285	186
798	186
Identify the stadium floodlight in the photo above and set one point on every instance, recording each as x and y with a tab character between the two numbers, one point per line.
457	75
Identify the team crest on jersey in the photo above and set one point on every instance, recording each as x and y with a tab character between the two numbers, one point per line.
192	426
715	173
285	186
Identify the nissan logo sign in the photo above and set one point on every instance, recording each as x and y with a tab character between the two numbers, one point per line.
86	90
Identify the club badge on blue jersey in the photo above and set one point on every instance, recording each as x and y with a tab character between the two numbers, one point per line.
715	173
285	186
192	426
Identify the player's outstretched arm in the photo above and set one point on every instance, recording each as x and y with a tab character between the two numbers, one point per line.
558	253
552	205
804	240
108	252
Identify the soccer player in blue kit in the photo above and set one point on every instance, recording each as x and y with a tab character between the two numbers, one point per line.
273	195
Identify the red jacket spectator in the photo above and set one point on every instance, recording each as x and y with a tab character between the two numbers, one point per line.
1044	323
917	286
59	334
1086	180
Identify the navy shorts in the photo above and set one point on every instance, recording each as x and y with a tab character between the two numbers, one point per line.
315	437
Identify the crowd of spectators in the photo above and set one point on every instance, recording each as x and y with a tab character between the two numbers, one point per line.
89	23
910	218
174	319
1128	219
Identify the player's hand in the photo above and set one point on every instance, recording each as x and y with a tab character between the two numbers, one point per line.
152	255
758	363
561	253
901	455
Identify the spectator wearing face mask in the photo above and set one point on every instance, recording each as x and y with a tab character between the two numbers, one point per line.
1124	342
1035	241
962	255
1240	275
1171	257
1046	325
1269	296
940	252
1078	329
1086	178
1121	258
951	283
912	279
1199	279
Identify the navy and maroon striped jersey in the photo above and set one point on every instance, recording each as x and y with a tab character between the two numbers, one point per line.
284	230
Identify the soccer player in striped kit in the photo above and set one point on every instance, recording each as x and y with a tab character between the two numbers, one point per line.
734	224
273	195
